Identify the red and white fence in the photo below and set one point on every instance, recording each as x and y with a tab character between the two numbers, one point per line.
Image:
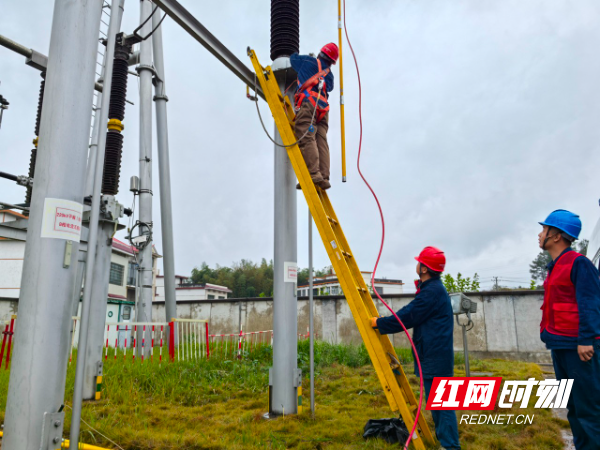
192	338
7	340
189	340
236	345
120	337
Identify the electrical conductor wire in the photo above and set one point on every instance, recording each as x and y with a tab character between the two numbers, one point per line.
382	238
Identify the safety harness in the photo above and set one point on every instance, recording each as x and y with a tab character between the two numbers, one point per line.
305	90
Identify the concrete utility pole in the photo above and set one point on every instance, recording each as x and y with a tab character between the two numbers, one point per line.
34	417
87	310
99	286
311	324
109	217
164	171
285	374
143	310
285	377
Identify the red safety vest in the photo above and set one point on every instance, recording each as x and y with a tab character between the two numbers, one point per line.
305	90
560	314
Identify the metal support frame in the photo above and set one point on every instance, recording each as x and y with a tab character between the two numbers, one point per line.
199	32
285	309
113	29
311	305
33	58
145	69
42	337
99	286
164	172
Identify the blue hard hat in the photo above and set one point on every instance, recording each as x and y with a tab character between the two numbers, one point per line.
565	221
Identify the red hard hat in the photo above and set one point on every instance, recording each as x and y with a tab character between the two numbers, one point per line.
433	258
332	51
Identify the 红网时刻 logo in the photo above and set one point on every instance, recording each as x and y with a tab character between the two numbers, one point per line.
481	393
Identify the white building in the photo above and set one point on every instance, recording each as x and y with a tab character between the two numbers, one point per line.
121	287
185	289
329	285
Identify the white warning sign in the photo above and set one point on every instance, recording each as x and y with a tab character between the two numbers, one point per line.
290	272
62	219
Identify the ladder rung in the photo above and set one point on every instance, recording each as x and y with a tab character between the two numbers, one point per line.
390	373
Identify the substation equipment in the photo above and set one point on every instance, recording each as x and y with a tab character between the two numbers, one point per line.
463	305
63	174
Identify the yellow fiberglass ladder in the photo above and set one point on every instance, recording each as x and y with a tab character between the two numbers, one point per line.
391	375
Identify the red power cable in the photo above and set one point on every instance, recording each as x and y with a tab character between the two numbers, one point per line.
382	236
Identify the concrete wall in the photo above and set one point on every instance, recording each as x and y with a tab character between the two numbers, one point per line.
506	324
11	267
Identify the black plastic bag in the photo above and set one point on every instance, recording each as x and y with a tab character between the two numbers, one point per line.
390	430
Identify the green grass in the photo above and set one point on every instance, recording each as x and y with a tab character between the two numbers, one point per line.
218	404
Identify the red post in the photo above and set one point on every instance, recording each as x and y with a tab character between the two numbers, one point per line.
162	329
125	349
107	331
172	341
117	342
152	348
10	335
143	342
4	336
207	341
134	342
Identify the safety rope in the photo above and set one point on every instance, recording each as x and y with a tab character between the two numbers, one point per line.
309	129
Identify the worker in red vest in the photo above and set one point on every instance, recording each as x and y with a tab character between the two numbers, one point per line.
315	81
570	325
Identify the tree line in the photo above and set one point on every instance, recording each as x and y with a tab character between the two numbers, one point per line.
246	278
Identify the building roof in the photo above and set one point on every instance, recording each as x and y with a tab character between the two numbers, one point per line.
13	213
213	287
123	247
130	249
176	276
334	280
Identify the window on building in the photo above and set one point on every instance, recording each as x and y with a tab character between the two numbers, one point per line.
132	274
116	274
126	313
379	290
221	297
315	291
211	297
335	290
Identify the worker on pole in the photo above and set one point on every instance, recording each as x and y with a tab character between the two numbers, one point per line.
315	81
430	314
570	325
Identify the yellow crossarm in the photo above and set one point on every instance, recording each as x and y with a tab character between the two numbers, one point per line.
391	375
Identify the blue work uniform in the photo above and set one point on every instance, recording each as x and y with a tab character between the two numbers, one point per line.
306	66
584	402
430	314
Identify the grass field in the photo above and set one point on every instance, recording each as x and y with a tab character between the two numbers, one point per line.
218	404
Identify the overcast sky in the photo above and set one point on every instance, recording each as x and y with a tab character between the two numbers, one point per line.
480	117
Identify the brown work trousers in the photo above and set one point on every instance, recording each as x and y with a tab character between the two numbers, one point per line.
313	145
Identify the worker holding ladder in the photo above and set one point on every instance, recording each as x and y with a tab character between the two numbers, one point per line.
315	81
430	314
